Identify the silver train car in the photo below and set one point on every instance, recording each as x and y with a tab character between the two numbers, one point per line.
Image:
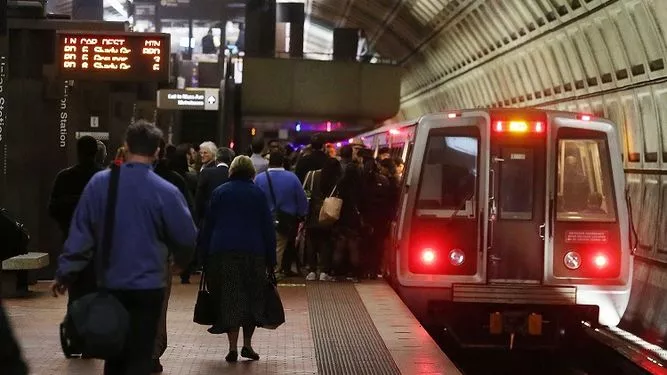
513	225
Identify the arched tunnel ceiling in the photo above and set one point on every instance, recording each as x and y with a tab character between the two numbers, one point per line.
483	53
605	57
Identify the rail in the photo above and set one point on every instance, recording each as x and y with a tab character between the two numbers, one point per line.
649	357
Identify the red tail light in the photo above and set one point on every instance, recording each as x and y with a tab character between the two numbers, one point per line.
601	261
428	256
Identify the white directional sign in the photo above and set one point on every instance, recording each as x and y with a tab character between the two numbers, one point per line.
189	99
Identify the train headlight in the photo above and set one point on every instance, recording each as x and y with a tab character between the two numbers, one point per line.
572	260
456	257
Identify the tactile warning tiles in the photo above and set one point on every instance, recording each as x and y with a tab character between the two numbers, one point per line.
346	341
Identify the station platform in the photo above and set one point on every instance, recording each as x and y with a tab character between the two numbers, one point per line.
331	328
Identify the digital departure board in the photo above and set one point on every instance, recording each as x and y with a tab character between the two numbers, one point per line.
128	56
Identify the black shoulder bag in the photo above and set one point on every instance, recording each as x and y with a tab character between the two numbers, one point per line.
285	222
98	322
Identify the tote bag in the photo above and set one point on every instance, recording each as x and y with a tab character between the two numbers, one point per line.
330	211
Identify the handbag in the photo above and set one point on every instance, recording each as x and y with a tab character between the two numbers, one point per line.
274	314
205	311
285	223
98	323
330	211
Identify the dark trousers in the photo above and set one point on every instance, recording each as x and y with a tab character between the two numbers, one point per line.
347	256
319	249
291	256
84	284
161	336
144	307
11	360
374	250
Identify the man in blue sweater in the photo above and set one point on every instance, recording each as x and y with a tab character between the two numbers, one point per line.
290	197
151	220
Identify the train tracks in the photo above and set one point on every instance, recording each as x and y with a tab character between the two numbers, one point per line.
603	351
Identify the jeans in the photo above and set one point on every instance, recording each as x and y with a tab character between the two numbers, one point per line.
144	308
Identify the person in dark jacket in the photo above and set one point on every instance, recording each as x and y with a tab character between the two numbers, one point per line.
11	360
349	226
178	162
162	170
210	179
152	222
313	161
65	196
320	245
240	243
70	182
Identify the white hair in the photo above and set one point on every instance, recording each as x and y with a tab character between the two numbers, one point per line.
210	147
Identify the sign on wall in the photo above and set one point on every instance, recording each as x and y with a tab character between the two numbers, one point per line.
113	56
198	100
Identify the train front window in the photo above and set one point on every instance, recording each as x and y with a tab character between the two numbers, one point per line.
449	176
585	184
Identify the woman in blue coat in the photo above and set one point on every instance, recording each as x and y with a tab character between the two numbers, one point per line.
240	242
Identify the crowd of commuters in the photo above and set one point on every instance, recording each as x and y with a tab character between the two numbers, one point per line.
237	219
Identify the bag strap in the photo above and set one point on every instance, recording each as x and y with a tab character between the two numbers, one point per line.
273	194
305	180
312	178
109	223
202	283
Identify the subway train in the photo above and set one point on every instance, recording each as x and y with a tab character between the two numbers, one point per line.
513	226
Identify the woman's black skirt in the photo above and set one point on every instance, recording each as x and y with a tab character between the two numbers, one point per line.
236	282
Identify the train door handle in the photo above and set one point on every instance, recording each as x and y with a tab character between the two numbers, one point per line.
542	229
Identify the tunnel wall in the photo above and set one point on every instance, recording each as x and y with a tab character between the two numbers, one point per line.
604	57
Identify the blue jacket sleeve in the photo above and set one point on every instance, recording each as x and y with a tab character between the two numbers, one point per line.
179	227
80	244
268	232
301	199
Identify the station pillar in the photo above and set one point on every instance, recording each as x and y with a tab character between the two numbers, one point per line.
260	28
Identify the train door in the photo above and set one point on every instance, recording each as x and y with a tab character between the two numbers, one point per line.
517	199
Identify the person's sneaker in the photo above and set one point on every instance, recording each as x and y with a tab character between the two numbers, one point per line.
311	277
232	356
157	367
326	277
249	353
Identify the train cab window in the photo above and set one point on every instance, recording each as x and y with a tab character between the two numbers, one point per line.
585	184
449	176
516	184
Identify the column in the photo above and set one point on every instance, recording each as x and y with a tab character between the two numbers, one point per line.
345	44
87	10
260	28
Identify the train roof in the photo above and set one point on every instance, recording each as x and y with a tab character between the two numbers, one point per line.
388	127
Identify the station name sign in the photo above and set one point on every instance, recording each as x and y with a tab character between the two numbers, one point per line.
112	56
205	99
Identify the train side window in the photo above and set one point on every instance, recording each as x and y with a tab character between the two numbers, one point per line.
449	175
584	181
516	184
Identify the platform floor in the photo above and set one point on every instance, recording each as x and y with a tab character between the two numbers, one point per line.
331	328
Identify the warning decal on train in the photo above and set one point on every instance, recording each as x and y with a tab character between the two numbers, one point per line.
586	236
